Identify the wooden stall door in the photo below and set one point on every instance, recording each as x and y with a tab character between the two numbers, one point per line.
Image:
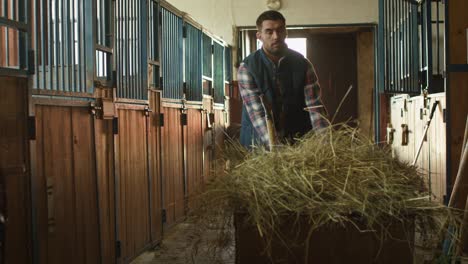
14	171
65	186
173	166
133	186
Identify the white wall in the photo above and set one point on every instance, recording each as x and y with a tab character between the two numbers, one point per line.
220	16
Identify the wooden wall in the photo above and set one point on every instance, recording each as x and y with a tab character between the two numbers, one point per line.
414	113
365	82
15	170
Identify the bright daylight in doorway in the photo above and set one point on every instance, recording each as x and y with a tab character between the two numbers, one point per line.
297	44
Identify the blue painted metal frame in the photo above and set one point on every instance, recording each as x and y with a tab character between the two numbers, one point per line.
20	25
218	73
193	63
172	59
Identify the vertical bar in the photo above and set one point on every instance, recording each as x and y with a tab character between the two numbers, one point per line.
118	49
22	36
415	47
57	45
392	44
63	44
438	37
143	50
429	46
51	45
73	49
132	47
43	26
102	22
81	73
126	48
90	50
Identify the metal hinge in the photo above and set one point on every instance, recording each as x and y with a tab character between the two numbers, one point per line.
32	127
183	119
184	31
444	115
161	119
184	88
118	249
160	18
160	82
115	125
164	216
148	110
31	63
212	49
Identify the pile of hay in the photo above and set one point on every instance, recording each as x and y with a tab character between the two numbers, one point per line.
333	177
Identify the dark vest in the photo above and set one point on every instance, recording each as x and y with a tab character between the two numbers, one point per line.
291	73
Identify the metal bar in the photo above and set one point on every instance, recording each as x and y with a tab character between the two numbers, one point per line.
90	41
13	72
438	37
143	50
118	47
57	45
415	48
429	46
132	49
51	45
126	49
74	47
13	10
457	68
81	76
102	23
63	45
20	26
23	41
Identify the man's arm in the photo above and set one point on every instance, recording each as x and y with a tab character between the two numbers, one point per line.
312	99
250	94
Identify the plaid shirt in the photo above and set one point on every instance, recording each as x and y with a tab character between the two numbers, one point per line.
250	95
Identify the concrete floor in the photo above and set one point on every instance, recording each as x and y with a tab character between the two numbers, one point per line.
177	248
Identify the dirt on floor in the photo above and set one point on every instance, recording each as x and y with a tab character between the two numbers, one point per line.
182	244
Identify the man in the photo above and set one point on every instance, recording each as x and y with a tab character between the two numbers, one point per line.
278	83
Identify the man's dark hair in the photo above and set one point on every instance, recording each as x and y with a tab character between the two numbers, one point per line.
269	15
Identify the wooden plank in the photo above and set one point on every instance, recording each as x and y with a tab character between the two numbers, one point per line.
104	147
437	150
14	176
457	33
365	80
85	185
154	157
458	111
39	188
